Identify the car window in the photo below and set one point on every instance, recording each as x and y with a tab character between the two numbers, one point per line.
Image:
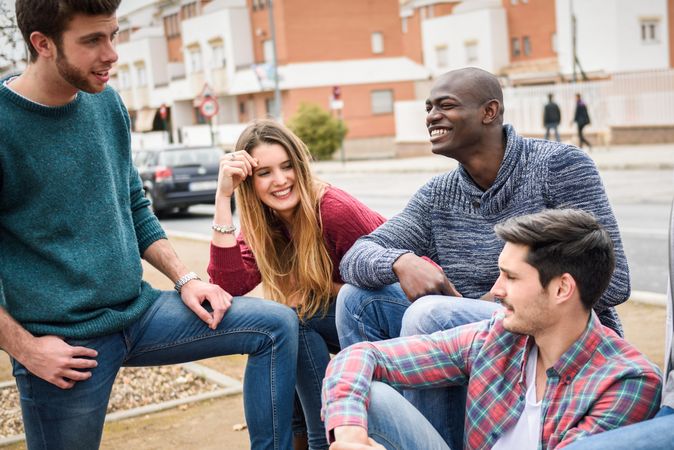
190	157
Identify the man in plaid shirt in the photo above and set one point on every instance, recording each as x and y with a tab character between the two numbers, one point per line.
540	374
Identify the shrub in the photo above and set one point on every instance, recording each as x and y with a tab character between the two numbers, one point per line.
322	133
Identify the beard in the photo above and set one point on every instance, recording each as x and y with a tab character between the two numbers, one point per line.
74	76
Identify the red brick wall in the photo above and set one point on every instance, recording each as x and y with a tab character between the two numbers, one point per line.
309	30
357	111
535	19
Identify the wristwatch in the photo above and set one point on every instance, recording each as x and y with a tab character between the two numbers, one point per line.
184	279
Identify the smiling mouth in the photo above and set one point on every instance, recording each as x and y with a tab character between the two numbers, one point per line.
282	193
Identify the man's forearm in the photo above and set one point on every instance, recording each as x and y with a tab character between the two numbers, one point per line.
14	339
163	257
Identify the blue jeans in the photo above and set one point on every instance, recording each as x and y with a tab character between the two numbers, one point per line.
656	433
553	127
397	425
317	339
364	315
169	333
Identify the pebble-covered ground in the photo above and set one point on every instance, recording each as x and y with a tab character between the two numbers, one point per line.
133	388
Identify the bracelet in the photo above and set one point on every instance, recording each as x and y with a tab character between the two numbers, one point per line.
182	281
224	229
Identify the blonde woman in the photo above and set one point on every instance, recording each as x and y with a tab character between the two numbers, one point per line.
294	231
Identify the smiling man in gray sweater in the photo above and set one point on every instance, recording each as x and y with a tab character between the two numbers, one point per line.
451	220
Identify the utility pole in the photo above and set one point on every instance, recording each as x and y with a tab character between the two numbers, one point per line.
573	41
274	61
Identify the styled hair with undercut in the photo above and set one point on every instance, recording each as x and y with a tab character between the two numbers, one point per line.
298	269
565	241
51	17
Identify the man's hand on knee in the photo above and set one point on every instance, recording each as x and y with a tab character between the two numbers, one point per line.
419	277
58	363
195	292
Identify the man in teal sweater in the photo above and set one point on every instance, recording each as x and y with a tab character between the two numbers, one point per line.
74	225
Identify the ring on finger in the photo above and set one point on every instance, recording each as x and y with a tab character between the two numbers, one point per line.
232	156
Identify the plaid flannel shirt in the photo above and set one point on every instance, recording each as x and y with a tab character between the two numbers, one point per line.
601	382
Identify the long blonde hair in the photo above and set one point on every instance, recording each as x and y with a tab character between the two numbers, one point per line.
299	267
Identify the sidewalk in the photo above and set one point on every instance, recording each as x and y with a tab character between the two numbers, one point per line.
623	157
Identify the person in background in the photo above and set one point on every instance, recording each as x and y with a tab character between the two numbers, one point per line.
582	119
294	231
551	118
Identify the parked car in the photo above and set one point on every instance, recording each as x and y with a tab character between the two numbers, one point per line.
179	177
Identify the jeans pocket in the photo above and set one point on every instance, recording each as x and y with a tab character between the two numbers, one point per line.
17	368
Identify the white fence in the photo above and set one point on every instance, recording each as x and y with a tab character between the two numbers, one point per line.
629	99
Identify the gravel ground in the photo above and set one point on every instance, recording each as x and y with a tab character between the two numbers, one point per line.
133	388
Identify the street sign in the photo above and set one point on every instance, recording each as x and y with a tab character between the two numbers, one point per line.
208	107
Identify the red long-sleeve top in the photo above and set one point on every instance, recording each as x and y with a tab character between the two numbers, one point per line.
344	218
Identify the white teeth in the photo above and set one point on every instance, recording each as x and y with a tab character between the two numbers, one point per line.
281	193
438	132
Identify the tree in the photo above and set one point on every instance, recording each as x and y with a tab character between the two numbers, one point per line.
12	49
322	133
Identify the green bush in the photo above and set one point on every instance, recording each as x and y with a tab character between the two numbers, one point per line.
322	133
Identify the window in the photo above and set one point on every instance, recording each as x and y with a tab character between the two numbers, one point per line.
404	24
513	2
195	64
650	31
172	25
515	43
471	52
124	78
217	55
141	74
553	42
199	119
377	42
442	56
270	106
258	4
382	101
268	50
526	45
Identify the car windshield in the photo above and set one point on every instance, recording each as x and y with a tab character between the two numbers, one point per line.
190	157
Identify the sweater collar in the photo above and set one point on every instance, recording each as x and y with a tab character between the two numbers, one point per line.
500	191
29	105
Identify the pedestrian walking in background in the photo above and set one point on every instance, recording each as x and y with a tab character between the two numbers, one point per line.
294	231
582	119
551	118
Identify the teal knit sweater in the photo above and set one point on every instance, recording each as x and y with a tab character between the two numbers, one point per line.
73	218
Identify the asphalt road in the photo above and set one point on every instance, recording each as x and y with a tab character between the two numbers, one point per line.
640	198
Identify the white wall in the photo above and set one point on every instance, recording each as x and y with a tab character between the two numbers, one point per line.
487	26
609	35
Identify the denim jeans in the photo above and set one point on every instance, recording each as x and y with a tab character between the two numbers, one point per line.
364	315
397	425
553	127
169	333
656	433
317	339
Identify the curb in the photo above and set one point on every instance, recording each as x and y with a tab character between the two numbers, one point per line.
649	298
230	386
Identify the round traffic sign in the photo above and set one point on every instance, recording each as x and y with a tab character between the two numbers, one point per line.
208	107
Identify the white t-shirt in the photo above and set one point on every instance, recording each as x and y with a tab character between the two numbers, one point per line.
526	433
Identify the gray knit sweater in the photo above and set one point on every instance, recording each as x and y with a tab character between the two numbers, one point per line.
451	220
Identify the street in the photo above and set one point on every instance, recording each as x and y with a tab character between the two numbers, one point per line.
640	198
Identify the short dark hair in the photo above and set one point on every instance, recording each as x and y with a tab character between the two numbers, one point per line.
51	17
565	241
